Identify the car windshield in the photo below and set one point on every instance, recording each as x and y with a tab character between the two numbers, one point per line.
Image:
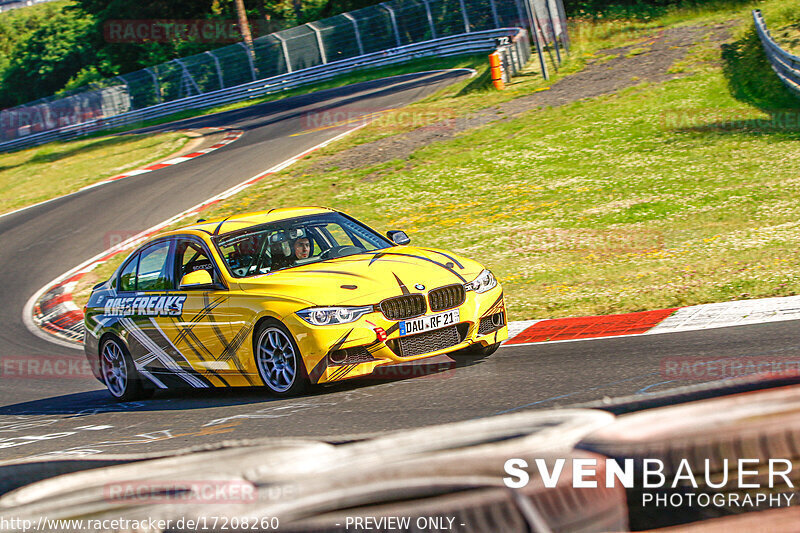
297	241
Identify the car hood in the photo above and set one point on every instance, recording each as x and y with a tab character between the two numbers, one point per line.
367	278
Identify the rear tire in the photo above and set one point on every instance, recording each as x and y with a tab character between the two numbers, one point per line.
278	359
119	373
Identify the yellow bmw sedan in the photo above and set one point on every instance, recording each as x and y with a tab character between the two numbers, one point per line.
283	299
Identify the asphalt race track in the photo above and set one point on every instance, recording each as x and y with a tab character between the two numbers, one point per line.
41	416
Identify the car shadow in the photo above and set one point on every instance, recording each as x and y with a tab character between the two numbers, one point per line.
99	401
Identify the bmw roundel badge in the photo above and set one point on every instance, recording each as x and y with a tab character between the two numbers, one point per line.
419	287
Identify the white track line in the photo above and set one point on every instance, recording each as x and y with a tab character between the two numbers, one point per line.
231	137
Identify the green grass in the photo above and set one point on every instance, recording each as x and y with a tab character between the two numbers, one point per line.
41	173
662	195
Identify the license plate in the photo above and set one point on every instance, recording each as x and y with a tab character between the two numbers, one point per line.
427	323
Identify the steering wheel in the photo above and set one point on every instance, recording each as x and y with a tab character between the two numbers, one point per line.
340	251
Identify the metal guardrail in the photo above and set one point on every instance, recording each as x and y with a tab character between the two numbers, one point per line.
785	65
474	42
8	5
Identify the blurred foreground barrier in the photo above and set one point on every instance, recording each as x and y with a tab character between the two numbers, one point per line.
450	474
709	458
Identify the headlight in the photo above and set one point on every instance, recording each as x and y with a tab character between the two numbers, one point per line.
325	316
484	282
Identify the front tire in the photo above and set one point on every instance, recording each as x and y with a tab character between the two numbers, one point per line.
278	359
119	373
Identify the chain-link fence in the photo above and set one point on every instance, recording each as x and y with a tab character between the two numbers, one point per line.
381	28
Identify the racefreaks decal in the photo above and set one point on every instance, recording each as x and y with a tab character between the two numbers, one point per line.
145	306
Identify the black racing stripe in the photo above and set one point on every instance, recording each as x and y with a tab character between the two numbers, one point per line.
197	353
191	337
330	272
216	231
403	287
198	317
160	339
318	370
453	259
347	369
336	373
459	276
233	347
338	344
376	257
495	307
394	327
374	346
342	372
236	342
217	331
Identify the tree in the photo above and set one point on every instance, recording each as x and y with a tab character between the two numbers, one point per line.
51	55
244	26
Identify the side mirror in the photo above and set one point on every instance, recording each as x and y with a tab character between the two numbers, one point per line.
398	237
197	280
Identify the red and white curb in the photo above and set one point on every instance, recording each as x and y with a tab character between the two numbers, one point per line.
692	318
51	313
229	138
232	136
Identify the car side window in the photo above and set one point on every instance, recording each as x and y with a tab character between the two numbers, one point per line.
127	278
154	272
191	256
339	235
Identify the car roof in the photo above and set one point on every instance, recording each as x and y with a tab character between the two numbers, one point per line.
223	225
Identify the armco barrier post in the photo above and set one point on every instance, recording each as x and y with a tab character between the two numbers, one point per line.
540	31
430	18
156	86
553	30
320	44
536	39
562	15
394	23
357	32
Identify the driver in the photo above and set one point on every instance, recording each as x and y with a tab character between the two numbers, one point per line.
302	248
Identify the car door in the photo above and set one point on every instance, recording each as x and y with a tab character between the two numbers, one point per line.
148	282
203	332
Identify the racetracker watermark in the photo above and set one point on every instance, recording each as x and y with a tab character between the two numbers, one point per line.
729	119
166	31
45	367
579	240
117	237
200	523
703	369
419	369
386	120
191	491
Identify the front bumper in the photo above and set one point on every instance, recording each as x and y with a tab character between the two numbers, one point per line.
334	353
